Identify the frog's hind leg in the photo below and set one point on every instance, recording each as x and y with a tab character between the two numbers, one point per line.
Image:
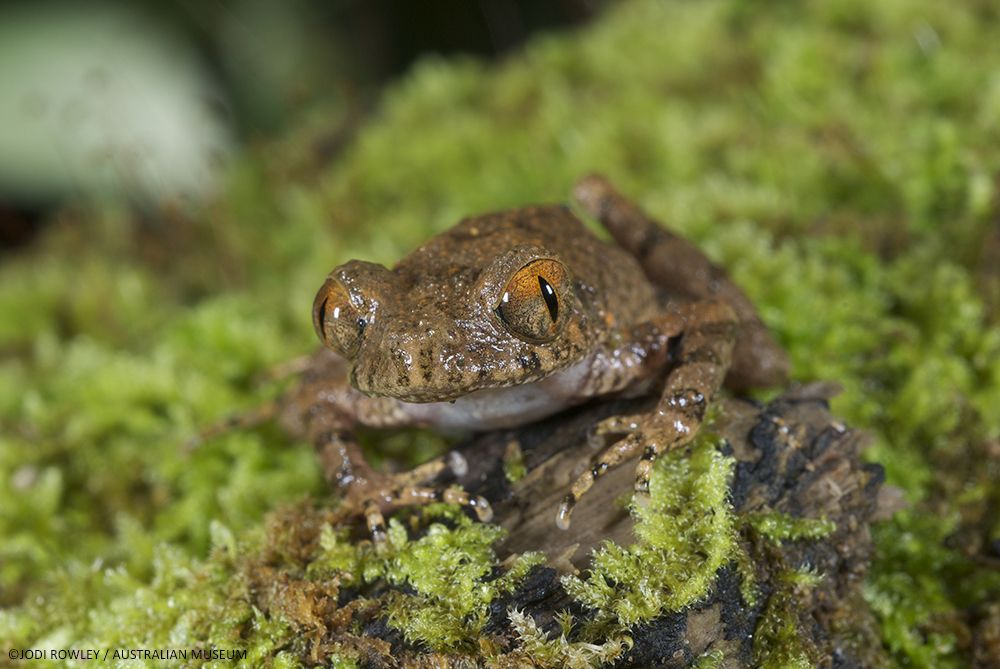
283	370
678	266
258	415
704	354
270	409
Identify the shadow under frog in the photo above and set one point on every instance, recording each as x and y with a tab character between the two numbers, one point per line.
510	317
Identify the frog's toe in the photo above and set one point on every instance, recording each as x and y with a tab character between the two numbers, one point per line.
597	436
482	508
375	522
624	424
611	457
565	513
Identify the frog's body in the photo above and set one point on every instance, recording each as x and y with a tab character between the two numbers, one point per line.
435	343
510	317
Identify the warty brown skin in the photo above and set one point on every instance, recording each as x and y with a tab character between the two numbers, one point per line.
513	316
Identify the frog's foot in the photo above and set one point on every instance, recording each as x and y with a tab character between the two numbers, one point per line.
673	424
658	434
387	494
372	494
619	452
611	429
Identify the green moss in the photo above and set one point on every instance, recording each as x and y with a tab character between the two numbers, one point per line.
448	569
185	605
781	527
838	157
779	640
337	662
560	652
513	463
917	581
687	530
446	576
748	578
803	577
711	660
338	555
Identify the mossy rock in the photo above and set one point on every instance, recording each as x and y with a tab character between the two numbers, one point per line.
752	550
839	158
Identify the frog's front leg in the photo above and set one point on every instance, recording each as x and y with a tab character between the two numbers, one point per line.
327	411
374	493
703	356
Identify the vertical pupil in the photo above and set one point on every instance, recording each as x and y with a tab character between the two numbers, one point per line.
321	317
549	295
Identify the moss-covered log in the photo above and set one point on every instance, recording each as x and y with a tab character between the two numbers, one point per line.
754	556
839	158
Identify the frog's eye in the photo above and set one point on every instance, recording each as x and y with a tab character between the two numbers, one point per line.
529	306
338	322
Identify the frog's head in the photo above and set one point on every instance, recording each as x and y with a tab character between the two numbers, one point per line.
452	328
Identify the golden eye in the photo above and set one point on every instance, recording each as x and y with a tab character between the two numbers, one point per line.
529	306
338	322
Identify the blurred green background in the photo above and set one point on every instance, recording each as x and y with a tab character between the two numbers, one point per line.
175	181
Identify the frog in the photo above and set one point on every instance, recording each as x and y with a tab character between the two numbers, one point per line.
510	317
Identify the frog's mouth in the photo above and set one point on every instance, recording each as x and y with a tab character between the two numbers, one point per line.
442	383
429	362
504	407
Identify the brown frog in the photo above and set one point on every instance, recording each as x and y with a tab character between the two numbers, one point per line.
510	317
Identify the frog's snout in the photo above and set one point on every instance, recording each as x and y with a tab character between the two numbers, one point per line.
413	358
418	364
